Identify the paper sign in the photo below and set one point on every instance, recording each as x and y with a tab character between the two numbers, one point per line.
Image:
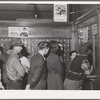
85	35
18	31
60	12
94	29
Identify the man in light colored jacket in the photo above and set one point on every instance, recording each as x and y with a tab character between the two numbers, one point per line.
15	70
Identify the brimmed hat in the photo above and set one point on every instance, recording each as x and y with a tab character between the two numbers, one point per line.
16	42
7	45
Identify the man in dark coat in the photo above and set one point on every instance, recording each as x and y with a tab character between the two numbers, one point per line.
1	66
37	76
4	58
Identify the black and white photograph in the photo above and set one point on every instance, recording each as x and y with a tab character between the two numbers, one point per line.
50	46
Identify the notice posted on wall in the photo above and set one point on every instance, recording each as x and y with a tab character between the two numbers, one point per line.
85	35
94	29
60	13
18	31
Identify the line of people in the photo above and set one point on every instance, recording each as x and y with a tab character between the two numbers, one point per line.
43	71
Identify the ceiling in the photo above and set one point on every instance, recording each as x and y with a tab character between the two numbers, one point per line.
44	11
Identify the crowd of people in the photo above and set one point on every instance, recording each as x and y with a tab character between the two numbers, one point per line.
46	70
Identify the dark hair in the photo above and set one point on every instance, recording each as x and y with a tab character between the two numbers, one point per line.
54	46
43	45
73	51
89	47
24	51
11	47
61	49
1	49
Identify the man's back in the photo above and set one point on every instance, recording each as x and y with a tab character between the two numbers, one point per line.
37	72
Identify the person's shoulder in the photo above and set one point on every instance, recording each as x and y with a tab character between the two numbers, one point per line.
36	56
69	60
54	54
11	57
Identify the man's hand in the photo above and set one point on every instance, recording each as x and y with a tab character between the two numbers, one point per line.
27	87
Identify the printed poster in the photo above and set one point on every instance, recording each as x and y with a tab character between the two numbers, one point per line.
85	35
94	29
60	12
18	31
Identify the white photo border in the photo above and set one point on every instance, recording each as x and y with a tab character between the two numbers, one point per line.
49	94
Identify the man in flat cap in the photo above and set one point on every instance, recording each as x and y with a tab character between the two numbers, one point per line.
15	70
37	76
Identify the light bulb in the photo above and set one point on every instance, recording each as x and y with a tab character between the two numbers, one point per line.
35	16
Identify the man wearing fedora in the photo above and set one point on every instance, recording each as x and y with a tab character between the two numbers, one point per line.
14	69
37	76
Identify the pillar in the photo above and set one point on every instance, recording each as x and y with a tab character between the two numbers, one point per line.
74	40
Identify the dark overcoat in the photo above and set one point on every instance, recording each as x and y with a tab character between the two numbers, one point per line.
37	76
55	72
4	58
